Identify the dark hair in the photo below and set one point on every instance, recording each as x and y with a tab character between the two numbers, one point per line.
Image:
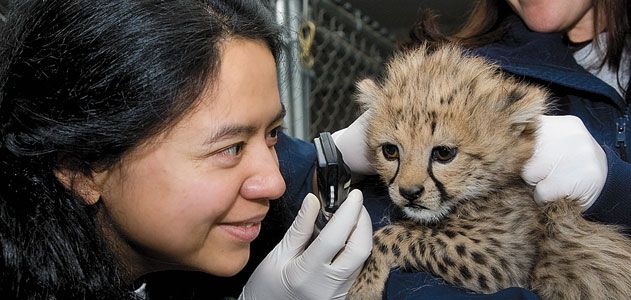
83	82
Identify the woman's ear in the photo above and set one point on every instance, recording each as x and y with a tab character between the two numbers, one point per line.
88	187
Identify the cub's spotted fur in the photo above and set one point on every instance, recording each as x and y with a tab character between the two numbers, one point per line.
449	134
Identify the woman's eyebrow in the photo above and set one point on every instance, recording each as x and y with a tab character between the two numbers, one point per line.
228	131
231	130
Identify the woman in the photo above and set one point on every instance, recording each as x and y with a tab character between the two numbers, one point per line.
141	136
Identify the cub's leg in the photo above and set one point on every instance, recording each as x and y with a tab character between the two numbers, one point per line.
581	259
385	254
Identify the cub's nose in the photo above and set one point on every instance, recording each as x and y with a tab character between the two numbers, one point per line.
411	193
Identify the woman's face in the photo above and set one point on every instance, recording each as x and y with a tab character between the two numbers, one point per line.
195	197
574	17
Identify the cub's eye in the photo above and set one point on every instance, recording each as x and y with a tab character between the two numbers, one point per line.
390	152
443	154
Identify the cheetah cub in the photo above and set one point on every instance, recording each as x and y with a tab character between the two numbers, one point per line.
449	134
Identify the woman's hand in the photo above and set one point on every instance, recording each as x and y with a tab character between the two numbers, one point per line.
324	269
567	162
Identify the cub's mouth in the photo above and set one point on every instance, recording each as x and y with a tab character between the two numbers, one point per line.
424	213
416	206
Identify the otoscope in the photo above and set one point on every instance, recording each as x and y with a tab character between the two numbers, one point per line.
334	178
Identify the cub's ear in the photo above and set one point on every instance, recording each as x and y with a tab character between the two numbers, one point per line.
367	93
524	106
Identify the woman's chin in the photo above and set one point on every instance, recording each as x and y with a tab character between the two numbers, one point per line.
229	265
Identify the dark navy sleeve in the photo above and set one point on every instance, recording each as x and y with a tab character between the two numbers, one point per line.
614	203
403	285
297	161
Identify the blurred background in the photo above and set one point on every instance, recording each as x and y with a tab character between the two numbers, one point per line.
334	43
398	15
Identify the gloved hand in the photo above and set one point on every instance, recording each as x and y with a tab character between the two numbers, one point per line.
567	162
328	266
352	143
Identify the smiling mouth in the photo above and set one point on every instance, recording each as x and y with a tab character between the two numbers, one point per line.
245	232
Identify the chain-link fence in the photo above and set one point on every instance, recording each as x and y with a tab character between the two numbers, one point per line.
4	7
337	45
347	46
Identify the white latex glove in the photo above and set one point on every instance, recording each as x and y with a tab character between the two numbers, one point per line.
327	268
352	143
567	162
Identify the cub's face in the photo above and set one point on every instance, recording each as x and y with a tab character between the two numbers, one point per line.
446	128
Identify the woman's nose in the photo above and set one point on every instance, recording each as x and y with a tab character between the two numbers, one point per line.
265	181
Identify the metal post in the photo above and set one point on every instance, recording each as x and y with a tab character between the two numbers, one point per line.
290	75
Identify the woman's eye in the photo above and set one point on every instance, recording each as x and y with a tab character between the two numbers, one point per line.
273	135
390	151
443	154
274	132
233	150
